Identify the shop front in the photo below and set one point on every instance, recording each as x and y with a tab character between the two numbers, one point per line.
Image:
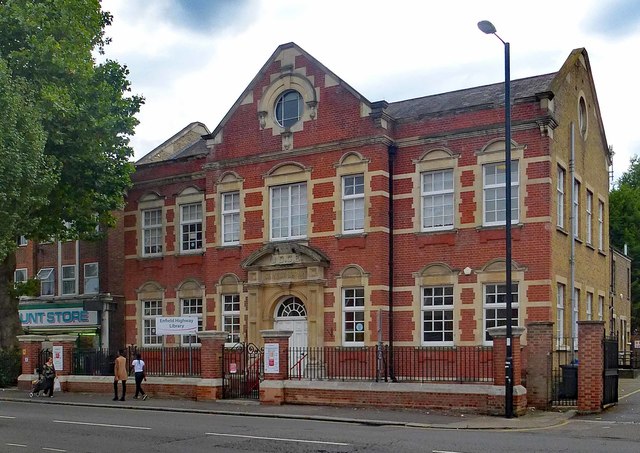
85	319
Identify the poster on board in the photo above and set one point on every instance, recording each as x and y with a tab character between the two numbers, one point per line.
271	358
58	357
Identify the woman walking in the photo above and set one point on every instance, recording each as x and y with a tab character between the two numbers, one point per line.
138	369
49	373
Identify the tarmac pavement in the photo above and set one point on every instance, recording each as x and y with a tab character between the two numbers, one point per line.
533	419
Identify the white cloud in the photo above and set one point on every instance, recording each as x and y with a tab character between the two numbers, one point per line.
385	50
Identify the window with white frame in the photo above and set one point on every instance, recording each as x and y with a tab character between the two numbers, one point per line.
152	232
600	225
494	184
353	316
191	227
575	214
22	241
231	218
600	307
437	200
192	307
289	108
495	307
68	280
47	281
437	315
151	309
91	278
589	306
20	276
289	211
352	203
560	197
589	218
231	317
560	315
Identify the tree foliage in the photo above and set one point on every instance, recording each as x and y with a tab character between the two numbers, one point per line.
64	130
624	228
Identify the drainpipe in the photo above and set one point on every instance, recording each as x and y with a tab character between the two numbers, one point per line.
391	149
572	259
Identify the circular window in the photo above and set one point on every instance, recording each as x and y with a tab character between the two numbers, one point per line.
288	108
582	117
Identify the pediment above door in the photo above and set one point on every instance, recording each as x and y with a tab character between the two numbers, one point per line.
285	254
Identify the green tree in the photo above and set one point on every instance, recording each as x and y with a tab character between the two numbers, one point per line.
64	145
624	222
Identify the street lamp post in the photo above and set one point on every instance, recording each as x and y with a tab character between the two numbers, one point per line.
487	27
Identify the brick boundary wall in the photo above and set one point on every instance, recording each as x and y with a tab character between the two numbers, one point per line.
590	366
475	398
276	389
538	371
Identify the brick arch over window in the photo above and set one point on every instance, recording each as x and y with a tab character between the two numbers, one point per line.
434	269
229	279
497	145
352	158
285	168
229	177
353	271
498	265
190	190
190	284
150	196
151	287
437	154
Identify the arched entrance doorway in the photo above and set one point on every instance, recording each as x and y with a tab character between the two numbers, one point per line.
291	314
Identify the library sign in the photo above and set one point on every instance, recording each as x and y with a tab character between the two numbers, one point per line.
176	325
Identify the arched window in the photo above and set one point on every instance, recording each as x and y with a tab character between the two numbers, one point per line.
582	117
291	307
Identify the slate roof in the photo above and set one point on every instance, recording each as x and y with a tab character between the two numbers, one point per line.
470	97
195	149
163	152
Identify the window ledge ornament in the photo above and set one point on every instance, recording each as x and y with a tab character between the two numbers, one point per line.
312	105
262	119
287	140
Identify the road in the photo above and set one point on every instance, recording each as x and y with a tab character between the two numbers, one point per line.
57	428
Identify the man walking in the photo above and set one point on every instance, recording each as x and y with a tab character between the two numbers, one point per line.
120	374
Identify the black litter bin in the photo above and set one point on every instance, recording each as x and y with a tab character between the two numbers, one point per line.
569	381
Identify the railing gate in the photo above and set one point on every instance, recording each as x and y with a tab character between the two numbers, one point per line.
610	374
242	371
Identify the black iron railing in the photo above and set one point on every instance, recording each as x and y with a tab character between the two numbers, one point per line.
564	372
411	364
162	361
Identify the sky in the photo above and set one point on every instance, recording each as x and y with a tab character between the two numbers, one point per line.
191	59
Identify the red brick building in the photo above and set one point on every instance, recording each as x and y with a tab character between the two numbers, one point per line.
310	208
80	288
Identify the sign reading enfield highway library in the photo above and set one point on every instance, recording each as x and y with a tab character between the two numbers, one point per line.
176	325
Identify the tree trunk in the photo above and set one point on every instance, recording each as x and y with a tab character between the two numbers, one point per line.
10	326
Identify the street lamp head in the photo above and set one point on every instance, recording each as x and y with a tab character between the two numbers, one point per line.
486	27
